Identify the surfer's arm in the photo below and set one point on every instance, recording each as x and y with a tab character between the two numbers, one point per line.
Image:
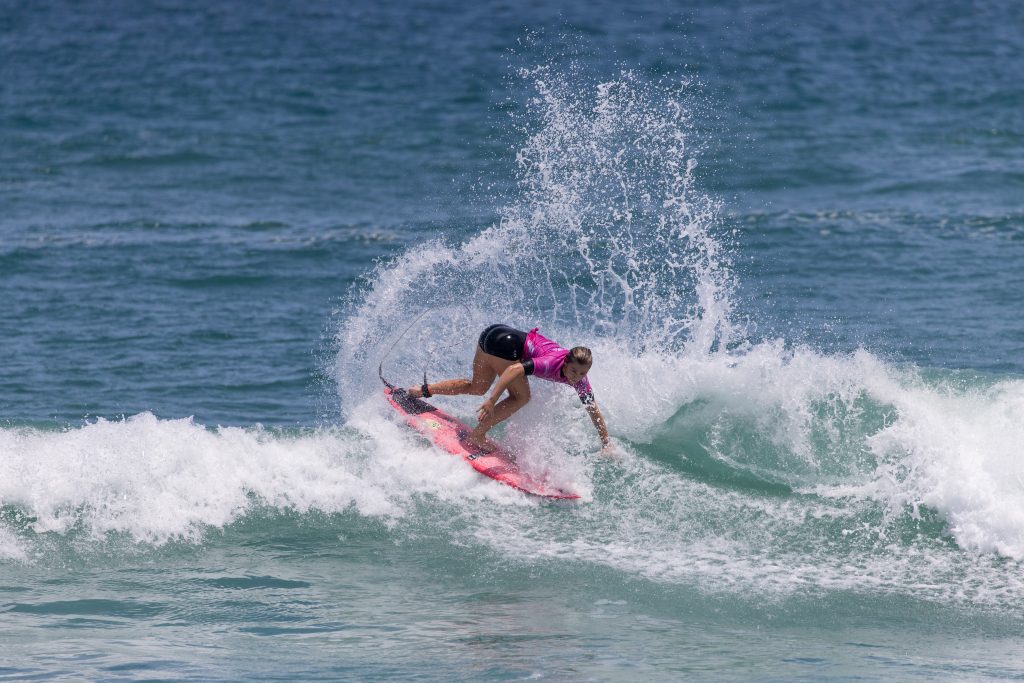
598	419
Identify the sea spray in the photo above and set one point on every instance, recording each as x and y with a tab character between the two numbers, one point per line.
608	241
607	177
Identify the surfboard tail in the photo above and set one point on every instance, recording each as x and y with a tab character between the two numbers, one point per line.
401	398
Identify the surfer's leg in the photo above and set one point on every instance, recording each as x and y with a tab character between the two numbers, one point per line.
484	371
485	368
518	396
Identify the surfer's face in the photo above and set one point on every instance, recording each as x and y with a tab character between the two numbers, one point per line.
574	372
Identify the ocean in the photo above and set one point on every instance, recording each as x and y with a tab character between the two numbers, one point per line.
791	232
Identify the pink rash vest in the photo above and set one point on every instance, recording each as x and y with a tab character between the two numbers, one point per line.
544	358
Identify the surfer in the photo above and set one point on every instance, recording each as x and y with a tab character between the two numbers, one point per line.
512	355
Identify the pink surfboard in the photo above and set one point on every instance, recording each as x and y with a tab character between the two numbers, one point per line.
449	433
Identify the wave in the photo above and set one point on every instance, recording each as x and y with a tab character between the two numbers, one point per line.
156	481
772	469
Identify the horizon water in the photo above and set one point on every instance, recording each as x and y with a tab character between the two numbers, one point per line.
791	235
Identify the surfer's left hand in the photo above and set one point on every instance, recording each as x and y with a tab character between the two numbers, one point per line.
610	451
485	409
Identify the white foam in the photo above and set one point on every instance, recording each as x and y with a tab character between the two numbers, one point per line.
960	451
953	446
160	480
11	547
946	446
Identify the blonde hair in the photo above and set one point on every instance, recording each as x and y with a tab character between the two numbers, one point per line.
581	355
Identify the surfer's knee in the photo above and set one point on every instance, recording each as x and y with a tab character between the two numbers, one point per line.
520	392
519	399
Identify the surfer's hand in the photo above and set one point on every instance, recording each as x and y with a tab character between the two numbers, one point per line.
485	409
609	450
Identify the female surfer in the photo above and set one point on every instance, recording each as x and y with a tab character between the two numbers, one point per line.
512	356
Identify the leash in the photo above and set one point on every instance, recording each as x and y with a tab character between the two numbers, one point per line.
380	365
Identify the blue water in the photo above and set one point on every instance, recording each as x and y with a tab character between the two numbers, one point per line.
792	234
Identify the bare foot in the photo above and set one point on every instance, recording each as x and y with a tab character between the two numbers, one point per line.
481	443
415	392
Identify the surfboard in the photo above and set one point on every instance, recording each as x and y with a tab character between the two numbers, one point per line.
450	434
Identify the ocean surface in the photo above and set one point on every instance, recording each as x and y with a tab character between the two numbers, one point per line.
791	232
